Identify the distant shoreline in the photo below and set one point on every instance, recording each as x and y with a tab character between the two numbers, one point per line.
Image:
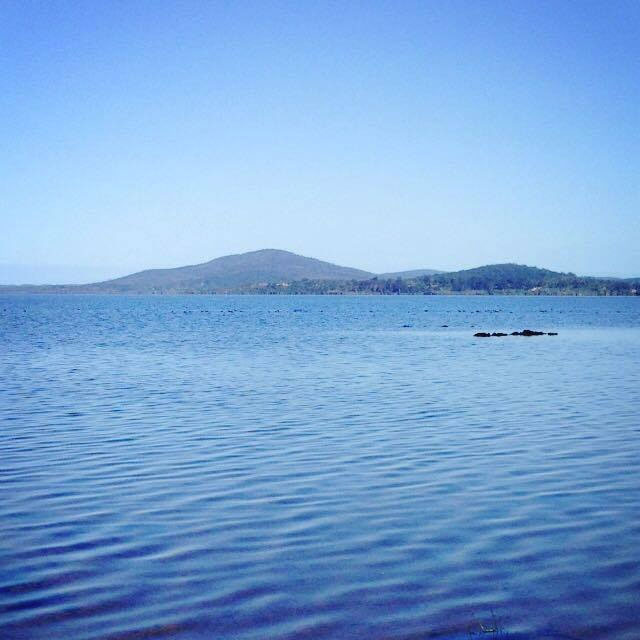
46	290
278	272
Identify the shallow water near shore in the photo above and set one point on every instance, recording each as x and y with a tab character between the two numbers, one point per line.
319	467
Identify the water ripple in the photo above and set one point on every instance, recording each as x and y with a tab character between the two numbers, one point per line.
250	468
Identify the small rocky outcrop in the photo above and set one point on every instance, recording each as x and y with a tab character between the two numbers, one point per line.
525	332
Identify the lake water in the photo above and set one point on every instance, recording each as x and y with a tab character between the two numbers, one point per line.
310	467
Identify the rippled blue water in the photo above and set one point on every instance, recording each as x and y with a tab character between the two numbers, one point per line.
300	467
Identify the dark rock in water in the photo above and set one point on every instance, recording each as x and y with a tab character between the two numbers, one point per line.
527	333
524	332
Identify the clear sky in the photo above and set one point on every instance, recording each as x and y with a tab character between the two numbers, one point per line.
382	135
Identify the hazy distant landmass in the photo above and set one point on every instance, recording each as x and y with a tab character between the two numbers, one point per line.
415	273
231	272
16	274
273	271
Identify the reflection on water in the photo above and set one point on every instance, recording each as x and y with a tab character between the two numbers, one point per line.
299	467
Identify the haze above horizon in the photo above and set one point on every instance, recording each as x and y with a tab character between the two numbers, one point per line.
384	136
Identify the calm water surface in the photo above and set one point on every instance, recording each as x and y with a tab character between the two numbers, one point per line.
300	467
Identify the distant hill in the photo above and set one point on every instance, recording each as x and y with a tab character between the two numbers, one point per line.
504	276
508	269
415	273
231	272
505	279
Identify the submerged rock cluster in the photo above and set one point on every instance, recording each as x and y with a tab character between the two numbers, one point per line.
524	332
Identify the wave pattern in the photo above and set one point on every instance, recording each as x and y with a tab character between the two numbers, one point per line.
238	467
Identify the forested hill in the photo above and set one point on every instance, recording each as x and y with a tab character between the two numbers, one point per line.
505	277
491	279
221	275
229	272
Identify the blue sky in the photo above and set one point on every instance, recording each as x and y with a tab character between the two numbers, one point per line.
382	135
